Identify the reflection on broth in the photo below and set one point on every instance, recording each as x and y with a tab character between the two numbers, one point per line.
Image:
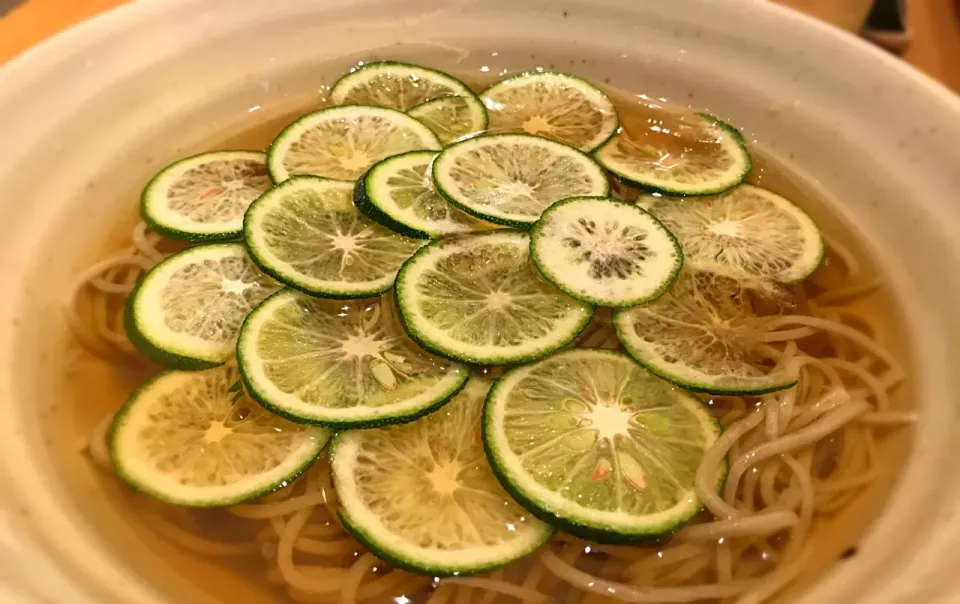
808	468
665	134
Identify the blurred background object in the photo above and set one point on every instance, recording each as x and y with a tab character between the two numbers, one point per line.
887	25
845	14
27	22
926	33
930	39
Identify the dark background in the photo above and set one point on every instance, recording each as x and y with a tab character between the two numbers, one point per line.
6	5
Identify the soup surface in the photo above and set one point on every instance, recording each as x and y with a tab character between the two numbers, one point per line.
808	495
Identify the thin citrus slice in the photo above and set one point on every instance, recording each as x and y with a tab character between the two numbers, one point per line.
187	438
307	233
452	117
342	142
511	179
340	364
747	232
399	86
399	193
605	252
594	444
422	496
702	335
699	155
205	196
187	311
555	105
479	299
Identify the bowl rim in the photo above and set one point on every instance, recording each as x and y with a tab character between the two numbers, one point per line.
122	15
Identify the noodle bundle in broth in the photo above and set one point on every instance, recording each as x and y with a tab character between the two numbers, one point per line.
794	458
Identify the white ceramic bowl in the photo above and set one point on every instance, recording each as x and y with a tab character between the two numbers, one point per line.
86	117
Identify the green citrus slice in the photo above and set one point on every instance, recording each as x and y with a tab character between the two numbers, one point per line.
399	193
701	155
307	233
594	444
511	179
399	86
479	299
340	364
554	105
187	311
205	196
422	495
746	232
452	117
189	438
605	252
342	142
700	335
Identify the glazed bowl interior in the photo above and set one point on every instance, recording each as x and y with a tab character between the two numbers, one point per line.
87	118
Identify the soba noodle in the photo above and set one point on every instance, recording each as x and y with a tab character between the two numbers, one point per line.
794	456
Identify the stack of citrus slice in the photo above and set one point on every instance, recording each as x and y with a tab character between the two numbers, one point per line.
414	230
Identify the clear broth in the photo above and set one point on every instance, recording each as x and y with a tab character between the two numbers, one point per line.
99	388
